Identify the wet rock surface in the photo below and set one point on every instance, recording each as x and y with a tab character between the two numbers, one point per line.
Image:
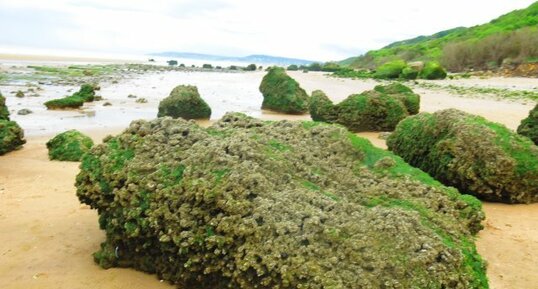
477	156
253	204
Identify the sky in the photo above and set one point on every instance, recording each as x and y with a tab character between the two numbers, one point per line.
306	29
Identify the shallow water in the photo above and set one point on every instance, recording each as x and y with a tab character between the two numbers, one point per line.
224	92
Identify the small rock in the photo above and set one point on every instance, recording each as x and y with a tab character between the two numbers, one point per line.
132	96
24	111
107	104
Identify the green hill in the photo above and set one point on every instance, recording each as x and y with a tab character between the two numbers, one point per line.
513	35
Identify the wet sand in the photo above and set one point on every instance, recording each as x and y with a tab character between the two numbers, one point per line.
47	237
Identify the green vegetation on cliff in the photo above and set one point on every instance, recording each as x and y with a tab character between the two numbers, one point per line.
514	36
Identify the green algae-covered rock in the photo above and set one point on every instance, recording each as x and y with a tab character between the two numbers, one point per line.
409	73
249	204
470	153
529	126
70	145
390	70
11	136
432	70
321	107
405	94
86	93
282	93
4	112
377	110
185	102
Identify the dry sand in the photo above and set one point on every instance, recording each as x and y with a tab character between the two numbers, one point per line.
47	237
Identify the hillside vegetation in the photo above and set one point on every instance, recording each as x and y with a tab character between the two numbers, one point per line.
511	38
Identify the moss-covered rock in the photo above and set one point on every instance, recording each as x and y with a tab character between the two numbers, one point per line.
185	102
282	93
529	126
409	73
322	108
249	204
432	70
11	136
70	145
4	112
405	94
470	153
86	93
390	70
377	110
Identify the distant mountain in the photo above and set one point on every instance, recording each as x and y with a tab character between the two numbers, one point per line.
257	59
425	48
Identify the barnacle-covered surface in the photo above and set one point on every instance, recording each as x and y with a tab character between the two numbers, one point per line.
252	204
468	152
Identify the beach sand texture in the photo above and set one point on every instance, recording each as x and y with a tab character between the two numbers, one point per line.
47	237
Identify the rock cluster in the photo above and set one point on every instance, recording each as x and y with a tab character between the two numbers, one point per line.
377	110
11	134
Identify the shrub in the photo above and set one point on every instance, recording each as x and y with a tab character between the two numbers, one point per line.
293	67
86	93
282	93
529	126
185	102
11	136
432	70
390	70
249	204
314	66
207	66
410	99
70	145
378	110
330	67
470	153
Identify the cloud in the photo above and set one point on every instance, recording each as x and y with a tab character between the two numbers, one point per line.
324	30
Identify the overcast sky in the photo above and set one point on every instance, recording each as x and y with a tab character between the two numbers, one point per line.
308	29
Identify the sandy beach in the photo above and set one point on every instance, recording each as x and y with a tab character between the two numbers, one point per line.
48	237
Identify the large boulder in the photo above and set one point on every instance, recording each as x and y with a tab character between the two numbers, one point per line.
390	70
185	102
470	153
11	136
4	112
529	125
70	145
282	93
250	204
377	110
410	99
86	93
432	70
